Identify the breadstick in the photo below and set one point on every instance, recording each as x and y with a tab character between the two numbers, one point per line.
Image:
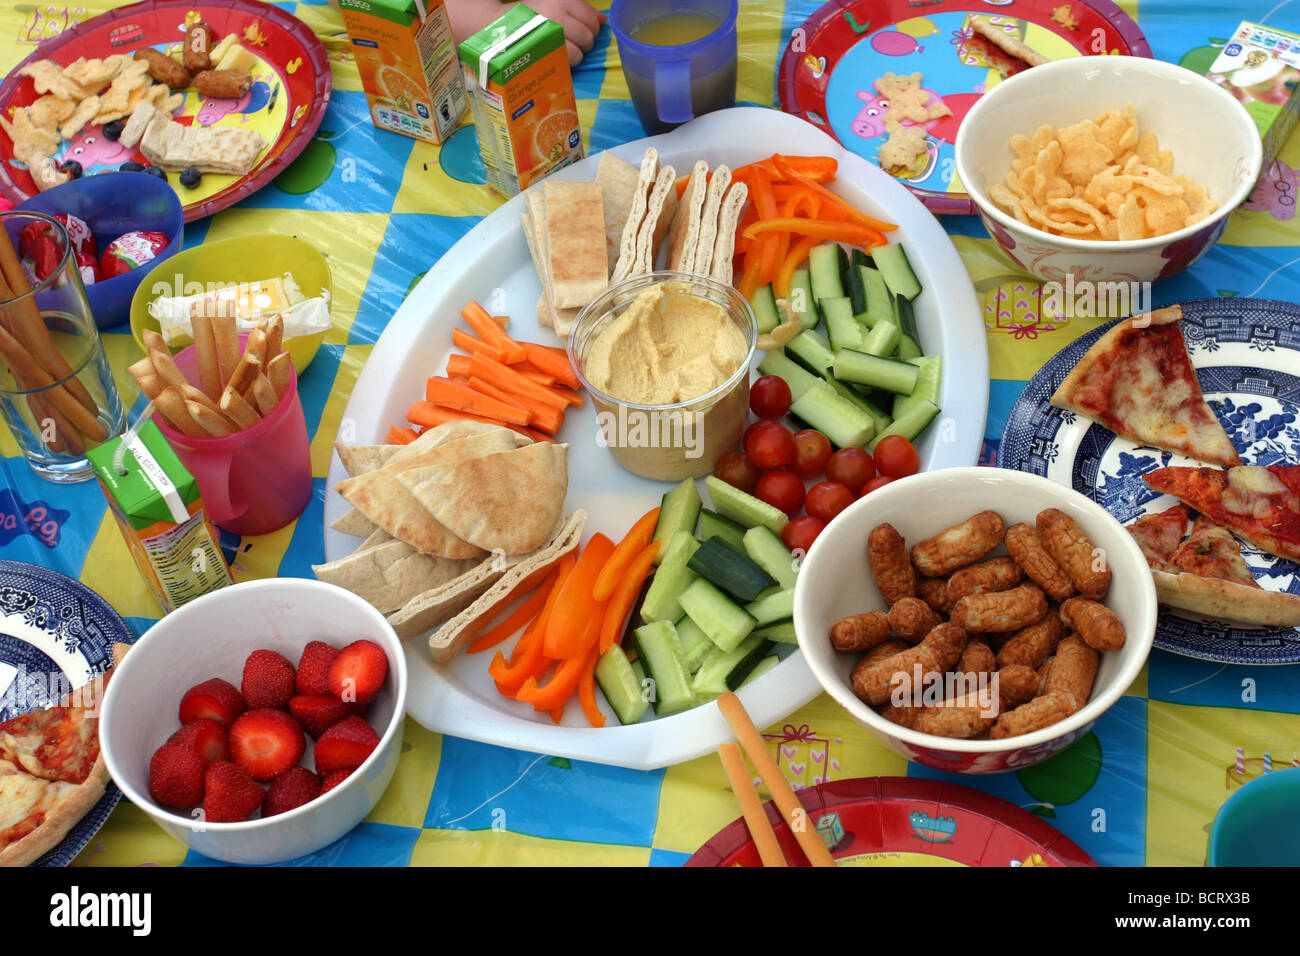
167	370
274	328
213	423
237	409
27	369
277	370
255	346
263	395
241	379
760	828
65	438
205	353
172	406
227	339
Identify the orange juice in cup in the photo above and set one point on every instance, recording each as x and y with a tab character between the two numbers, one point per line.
407	60
521	91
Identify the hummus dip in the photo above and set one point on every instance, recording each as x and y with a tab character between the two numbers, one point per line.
668	347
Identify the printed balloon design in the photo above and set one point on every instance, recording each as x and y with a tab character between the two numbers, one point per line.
893	43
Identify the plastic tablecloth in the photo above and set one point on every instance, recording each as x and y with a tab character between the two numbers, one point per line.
1140	789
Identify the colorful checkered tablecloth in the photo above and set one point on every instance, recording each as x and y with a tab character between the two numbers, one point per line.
1142	788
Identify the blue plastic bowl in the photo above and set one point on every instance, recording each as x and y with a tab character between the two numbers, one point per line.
1259	825
111	204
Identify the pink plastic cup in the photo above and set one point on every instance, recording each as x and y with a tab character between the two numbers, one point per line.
258	479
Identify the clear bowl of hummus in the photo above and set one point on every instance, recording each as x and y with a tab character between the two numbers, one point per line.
666	359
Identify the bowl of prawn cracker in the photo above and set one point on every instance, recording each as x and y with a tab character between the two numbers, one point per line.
976	620
1100	167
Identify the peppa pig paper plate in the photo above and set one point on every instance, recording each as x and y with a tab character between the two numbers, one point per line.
901	821
831	67
284	104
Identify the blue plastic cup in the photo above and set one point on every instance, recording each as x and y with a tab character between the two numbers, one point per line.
671	84
1257	826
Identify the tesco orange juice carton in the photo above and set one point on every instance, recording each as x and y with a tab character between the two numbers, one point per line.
521	92
408	66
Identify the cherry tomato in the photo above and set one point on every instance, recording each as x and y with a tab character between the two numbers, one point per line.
737	470
771	446
753	427
812	450
769	397
800	533
851	467
826	499
781	489
877	482
896	457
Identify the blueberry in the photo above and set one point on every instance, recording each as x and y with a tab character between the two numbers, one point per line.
72	168
114	129
131	167
156	172
190	178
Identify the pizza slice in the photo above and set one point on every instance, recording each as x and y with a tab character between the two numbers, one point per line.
1211	551
1138	381
1006	52
1260	504
1158	535
36	814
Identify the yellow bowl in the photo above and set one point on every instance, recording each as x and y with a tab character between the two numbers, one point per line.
238	260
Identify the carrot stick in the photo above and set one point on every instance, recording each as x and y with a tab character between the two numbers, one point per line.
458	365
625	594
489	331
434	415
569	395
533	374
637	537
504	377
542	416
423	413
792	175
463	340
523	614
546	360
855	234
445	392
401	436
576	606
587	693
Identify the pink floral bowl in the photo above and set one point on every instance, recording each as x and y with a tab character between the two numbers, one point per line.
1213	139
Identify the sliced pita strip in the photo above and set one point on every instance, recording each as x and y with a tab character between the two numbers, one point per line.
659	215
524	577
377	537
353	522
575	237
685	230
433	607
618	184
627	246
391	573
358	459
724	246
718	184
507	500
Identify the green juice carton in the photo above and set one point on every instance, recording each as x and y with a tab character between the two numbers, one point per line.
157	505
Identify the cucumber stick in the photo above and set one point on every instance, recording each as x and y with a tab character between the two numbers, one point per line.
670	580
770	554
726	622
926	388
727	670
621	686
661	652
678	511
744	509
765	311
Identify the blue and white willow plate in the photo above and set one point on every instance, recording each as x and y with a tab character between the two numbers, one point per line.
55	634
1246	353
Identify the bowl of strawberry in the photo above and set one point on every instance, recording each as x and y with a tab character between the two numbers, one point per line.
261	722
799	472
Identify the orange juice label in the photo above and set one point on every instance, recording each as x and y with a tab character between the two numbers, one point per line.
408	65
521	91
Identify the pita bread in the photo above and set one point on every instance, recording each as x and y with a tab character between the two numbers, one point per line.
377	537
442	603
659	215
618	183
521	579
1225	600
358	459
390	574
575	235
718	184
627	255
507	500
724	247
561	320
684	233
354	523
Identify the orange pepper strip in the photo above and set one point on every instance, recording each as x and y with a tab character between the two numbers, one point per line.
564	632
747	218
637	537
527	658
624	596
855	234
749	278
587	693
798	254
532	606
557	715
565	680
799	200
856	215
767	209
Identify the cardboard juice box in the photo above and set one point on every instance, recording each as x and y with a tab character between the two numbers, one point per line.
521	91
159	511
407	61
1260	67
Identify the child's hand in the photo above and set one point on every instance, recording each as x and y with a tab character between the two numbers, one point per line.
581	23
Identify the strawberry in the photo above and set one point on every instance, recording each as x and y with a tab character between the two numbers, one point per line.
333	779
264	743
358	673
295	788
231	796
268	680
176	776
206	736
314	666
319	712
345	746
214	699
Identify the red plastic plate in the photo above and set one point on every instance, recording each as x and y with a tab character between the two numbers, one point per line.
828	72
286	104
